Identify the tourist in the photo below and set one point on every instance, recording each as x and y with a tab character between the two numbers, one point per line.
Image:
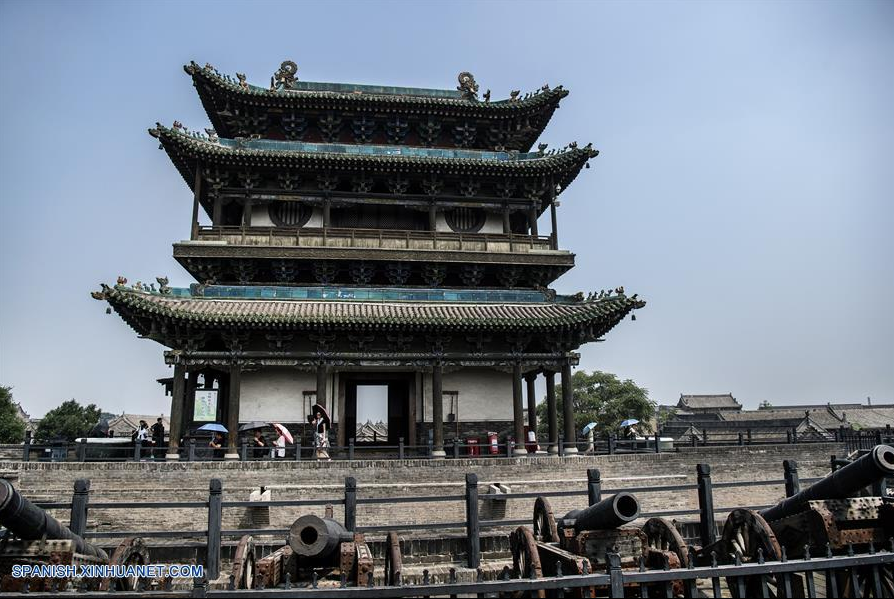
258	441
158	433
217	441
143	432
321	441
280	444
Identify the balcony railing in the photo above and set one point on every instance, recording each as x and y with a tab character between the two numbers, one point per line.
376	239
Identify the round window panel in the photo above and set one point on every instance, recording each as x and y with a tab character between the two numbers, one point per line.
289	214
465	220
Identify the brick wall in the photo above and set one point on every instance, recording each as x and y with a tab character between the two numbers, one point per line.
325	480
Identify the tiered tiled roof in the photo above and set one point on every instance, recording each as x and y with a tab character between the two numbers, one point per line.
708	402
186	148
217	90
599	314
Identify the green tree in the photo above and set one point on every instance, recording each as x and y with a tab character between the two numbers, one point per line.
69	421
603	398
12	429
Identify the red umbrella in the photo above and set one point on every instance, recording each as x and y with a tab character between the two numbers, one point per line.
283	431
322	410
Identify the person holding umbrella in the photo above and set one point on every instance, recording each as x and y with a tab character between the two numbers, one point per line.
321	424
284	437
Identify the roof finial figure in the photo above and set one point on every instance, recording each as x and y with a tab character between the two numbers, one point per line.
242	82
286	75
467	86
513	95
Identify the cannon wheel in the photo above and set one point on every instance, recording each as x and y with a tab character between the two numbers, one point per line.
544	522
131	551
747	534
393	559
662	535
861	582
244	563
525	556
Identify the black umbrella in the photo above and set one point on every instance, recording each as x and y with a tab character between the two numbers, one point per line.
250	426
322	410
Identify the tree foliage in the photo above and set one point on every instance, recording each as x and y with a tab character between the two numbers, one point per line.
69	421
603	398
12	429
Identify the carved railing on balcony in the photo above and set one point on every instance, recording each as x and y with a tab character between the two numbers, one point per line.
376	239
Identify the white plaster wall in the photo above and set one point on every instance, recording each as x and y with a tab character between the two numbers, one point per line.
260	217
275	394
493	223
484	394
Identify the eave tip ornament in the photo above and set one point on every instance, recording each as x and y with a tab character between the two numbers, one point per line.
467	86
285	77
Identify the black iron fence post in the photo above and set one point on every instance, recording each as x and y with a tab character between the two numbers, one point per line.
350	503
351	448
657	442
561	445
77	521
611	444
510	446
26	447
792	482
191	455
706	523
298	450
594	486
615	575
400	448
473	532
81	451
215	514
137	448
455	449
741	439
788	437
243	452
704	437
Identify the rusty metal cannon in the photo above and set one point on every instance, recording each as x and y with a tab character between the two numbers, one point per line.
578	542
823	519
35	537
316	549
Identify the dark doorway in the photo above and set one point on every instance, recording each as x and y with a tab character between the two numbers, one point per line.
383	397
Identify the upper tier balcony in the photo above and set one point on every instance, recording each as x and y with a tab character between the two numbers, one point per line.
377	239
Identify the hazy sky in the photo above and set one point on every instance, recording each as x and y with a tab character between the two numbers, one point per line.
744	185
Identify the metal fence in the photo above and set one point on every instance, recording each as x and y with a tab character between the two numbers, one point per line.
85	451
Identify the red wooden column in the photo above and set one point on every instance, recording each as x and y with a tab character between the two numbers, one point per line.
233	411
178	399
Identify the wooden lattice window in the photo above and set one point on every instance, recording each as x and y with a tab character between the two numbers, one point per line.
465	220
289	214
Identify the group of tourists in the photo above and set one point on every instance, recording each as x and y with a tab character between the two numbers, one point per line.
319	422
149	436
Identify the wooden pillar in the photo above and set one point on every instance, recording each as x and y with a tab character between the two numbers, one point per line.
531	378
233	411
246	213
342	415
178	399
196	196
518	411
327	204
322	378
532	220
432	217
217	213
437	410
568	408
551	412
507	229
552	214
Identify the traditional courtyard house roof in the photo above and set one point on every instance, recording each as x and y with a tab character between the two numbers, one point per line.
304	110
368	237
705	403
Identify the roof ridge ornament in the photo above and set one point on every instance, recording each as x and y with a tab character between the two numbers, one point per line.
467	86
285	77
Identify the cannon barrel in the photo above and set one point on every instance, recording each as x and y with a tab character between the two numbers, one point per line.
31	523
609	513
840	484
312	536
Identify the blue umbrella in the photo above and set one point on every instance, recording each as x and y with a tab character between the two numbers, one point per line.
218	428
629	422
588	428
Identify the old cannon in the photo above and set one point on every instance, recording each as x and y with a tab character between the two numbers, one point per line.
578	542
317	549
825	518
34	537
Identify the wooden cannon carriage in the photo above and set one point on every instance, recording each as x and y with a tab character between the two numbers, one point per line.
824	519
318	550
34	537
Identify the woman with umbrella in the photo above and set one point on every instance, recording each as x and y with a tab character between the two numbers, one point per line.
321	423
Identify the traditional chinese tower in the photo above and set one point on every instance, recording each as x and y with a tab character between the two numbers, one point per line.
369	236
